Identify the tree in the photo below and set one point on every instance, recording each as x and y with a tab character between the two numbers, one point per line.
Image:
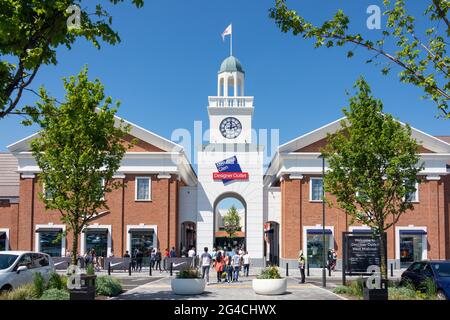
232	222
32	30
421	53
78	150
373	166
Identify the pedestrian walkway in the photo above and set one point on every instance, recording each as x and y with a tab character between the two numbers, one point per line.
161	290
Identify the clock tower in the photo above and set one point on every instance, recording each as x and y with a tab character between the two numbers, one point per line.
230	112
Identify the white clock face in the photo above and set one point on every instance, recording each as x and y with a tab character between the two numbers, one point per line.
230	128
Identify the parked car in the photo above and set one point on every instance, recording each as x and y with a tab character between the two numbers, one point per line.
438	271
17	268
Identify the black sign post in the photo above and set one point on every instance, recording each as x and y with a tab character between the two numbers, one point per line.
361	250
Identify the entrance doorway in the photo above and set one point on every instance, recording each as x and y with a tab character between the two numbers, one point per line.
272	243
230	222
188	237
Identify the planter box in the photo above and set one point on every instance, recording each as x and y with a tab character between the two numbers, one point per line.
188	286
87	290
269	286
375	294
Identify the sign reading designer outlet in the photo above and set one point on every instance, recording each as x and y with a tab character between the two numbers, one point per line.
229	170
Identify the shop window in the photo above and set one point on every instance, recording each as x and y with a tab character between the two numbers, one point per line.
411	248
314	243
50	242
142	240
3	241
316	189
97	240
143	188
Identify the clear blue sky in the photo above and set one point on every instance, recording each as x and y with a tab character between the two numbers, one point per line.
167	63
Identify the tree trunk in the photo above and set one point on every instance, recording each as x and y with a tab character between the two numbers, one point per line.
383	255
74	246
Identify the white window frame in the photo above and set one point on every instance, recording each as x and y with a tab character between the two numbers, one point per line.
142	226
96	226
149	189
424	241
310	189
416	193
37	236
6	230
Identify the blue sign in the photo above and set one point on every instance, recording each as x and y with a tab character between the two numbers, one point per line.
228	165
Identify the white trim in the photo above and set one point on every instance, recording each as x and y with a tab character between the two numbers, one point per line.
164	175
397	241
296	176
363	227
149	189
6	230
310	189
50	225
142	226
95	226
305	237
433	177
28	175
416	200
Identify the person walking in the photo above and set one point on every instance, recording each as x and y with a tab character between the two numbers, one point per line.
172	253
329	259
206	260
158	259
228	268
213	254
126	255
165	257
334	259
246	262
139	258
301	265
218	265
236	266
152	258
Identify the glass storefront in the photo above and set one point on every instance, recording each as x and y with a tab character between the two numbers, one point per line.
142	240
411	248
97	240
50	243
3	241
314	243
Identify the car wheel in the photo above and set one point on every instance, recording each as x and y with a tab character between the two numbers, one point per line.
5	288
441	295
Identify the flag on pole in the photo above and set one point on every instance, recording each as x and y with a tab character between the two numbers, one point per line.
228	31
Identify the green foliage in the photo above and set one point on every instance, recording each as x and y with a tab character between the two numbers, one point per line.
78	148
55	294
25	292
188	273
231	222
269	273
420	53
57	282
373	165
32	30
38	283
107	286
90	269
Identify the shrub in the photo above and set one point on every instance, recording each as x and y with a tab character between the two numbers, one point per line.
188	273
25	292
57	282
354	288
90	269
403	293
108	286
55	294
270	273
38	284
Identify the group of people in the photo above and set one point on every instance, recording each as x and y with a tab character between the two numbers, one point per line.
227	264
331	262
91	257
156	258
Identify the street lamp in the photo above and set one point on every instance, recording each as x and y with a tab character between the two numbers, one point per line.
324	272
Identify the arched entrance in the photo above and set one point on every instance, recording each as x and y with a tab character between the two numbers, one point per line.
222	208
188	236
272	242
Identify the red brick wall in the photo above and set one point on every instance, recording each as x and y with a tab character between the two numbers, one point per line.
298	211
9	213
123	210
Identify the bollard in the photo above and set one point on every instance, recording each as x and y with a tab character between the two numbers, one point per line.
287	269
307	269
129	269
329	271
150	269
109	268
392	270
171	268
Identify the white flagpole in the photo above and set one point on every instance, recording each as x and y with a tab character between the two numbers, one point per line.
231	41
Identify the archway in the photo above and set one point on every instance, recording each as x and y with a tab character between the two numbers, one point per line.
188	236
221	208
272	242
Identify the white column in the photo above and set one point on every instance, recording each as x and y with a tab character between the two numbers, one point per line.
225	86
235	79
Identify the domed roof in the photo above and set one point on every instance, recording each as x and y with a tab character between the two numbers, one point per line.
231	64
